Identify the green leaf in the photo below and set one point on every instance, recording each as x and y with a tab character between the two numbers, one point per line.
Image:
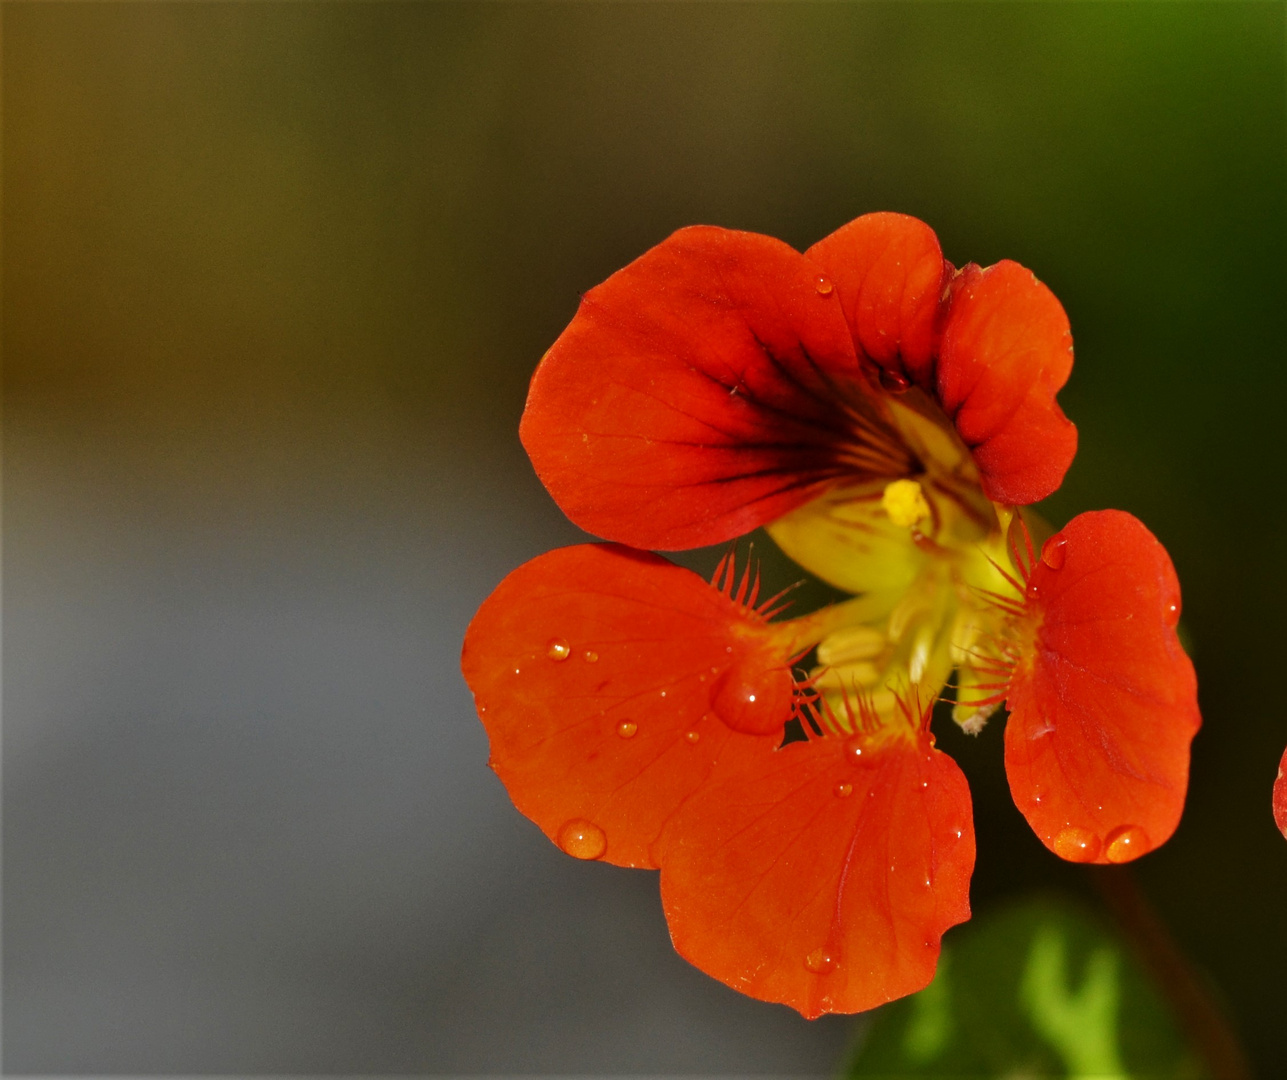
1036	989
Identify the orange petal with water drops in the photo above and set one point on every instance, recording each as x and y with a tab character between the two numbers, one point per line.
889	272
1103	703
818	878
1280	796
609	681
1006	350
700	392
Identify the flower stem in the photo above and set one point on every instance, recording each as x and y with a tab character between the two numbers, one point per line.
1199	1015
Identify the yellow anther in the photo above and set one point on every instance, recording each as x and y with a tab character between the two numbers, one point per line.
904	502
849	677
851	643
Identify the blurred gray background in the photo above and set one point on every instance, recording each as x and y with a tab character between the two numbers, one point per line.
275	276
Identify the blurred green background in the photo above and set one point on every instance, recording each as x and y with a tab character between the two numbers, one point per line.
275	277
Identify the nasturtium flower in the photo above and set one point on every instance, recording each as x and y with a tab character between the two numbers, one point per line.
886	417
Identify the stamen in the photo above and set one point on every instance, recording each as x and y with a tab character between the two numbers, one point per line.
905	503
850	644
972	719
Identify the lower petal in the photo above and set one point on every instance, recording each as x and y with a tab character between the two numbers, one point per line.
817	877
1103	706
601	674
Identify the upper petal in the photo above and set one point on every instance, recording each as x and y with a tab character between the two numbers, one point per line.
890	274
1104	705
609	681
1006	351
817	878
694	396
1280	796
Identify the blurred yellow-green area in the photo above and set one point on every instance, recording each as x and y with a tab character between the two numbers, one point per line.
274	279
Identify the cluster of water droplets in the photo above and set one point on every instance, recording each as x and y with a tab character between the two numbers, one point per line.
1082	845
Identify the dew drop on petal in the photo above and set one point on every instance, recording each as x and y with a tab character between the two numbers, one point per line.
894	382
1172	615
692	736
591	656
582	839
820	961
558	649
627	728
823	284
856	753
1054	551
1077	844
1126	843
843	790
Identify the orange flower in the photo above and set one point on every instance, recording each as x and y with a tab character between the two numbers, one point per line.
882	414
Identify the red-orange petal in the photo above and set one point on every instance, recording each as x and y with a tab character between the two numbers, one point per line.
1006	351
813	878
594	669
890	274
1280	796
1103	706
692	397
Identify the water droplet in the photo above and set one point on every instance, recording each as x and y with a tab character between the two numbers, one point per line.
823	284
1077	845
1054	551
751	699
894	382
582	839
1126	843
855	753
663	693
627	728
558	649
591	656
517	672
843	790
692	736
1172	615
820	961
